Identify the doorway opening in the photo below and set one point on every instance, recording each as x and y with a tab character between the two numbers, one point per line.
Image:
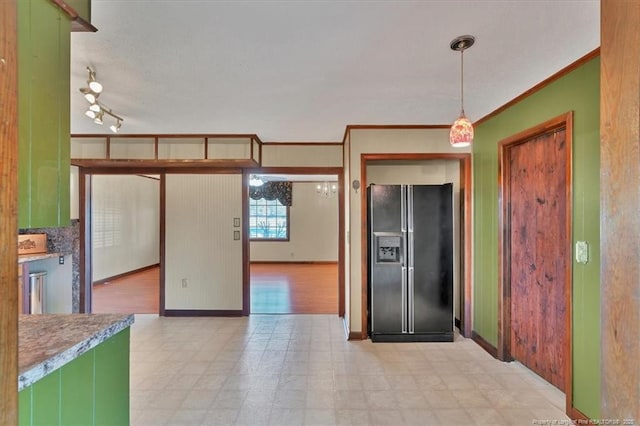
120	230
294	250
125	228
387	169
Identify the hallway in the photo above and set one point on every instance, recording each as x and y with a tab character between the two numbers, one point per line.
299	369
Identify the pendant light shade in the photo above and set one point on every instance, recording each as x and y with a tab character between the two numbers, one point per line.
461	133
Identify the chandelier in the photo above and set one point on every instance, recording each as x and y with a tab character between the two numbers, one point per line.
326	189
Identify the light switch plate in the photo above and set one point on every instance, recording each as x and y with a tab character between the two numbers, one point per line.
582	252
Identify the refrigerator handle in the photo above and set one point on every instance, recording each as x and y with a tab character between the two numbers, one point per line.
410	298
403	209
409	208
404	299
410	251
410	259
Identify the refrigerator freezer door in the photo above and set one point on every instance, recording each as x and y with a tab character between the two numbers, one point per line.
432	259
387	248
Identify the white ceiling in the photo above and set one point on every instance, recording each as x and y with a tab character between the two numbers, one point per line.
303	70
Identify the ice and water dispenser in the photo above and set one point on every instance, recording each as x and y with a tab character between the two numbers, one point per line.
388	248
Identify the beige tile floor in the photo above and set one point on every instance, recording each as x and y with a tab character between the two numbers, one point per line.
300	370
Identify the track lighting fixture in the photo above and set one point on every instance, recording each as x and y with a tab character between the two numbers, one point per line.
96	109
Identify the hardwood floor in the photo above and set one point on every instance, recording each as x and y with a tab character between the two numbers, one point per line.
276	288
294	288
137	293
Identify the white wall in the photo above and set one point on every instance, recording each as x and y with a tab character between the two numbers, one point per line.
200	245
296	155
429	172
130	207
379	141
313	229
58	283
347	235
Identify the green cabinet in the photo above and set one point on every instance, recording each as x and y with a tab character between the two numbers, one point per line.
77	390
44	35
93	389
112	381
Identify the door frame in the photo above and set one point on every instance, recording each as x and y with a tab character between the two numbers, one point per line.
466	311
85	203
504	252
300	170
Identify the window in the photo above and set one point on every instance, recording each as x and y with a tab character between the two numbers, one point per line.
268	220
107	223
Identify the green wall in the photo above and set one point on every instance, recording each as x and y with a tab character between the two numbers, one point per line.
578	91
93	389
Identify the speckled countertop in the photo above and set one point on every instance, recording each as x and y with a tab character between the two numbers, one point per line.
23	258
47	342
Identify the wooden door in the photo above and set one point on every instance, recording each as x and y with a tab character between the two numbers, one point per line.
536	237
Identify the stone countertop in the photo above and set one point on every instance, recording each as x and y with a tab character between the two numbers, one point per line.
24	258
47	342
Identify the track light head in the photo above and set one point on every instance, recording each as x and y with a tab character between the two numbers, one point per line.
93	83
116	127
91	114
98	119
89	95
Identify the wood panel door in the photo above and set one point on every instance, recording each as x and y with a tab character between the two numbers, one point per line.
536	253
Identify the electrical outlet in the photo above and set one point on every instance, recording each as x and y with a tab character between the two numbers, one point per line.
582	252
185	283
61	260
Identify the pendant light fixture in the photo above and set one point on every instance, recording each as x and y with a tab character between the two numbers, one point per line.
461	134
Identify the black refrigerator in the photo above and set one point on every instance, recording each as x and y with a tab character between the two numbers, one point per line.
410	263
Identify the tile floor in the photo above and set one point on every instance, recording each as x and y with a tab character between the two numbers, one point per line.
300	370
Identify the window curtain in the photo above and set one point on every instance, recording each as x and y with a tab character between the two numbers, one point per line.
281	191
